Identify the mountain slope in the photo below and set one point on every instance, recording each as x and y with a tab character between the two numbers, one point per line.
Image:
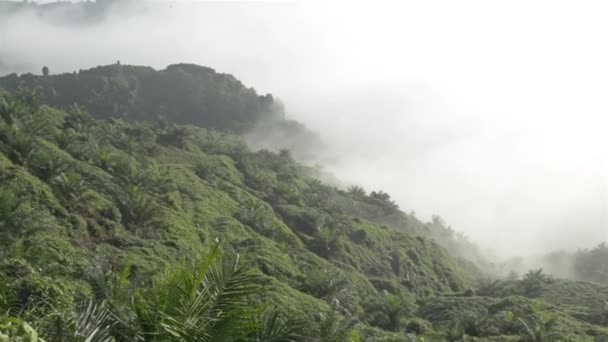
82	197
190	94
181	93
185	93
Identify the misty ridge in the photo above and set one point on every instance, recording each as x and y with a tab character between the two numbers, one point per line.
306	144
132	139
68	16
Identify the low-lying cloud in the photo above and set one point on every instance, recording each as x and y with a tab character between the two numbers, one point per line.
492	115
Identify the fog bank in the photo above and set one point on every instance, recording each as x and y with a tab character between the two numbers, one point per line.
492	115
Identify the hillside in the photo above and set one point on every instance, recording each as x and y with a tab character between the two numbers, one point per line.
186	93
181	93
196	95
95	205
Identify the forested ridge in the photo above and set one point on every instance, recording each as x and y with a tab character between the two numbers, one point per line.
181	93
131	208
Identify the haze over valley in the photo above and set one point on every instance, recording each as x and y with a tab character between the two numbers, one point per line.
499	130
379	171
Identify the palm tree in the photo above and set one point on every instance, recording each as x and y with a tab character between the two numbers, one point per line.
137	207
335	328
8	204
356	190
533	281
389	310
329	242
540	330
90	322
10	109
208	302
489	287
396	307
273	327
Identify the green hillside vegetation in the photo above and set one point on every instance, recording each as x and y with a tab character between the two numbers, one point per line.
136	227
181	93
585	264
186	93
191	94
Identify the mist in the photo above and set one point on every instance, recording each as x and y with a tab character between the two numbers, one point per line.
491	115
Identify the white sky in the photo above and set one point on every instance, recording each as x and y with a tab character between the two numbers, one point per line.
491	114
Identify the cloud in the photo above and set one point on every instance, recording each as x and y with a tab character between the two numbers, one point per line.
489	114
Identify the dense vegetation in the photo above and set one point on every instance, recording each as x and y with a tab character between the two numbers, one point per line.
186	93
181	93
586	264
166	228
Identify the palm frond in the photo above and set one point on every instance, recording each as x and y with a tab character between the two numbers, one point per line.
274	327
89	322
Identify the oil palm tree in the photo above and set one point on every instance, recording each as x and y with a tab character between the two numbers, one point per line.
207	301
89	322
533	281
541	329
203	301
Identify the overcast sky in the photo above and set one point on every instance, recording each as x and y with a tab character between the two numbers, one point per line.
492	114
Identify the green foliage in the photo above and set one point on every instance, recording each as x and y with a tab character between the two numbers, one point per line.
15	330
323	284
185	93
89	322
101	220
356	190
193	303
335	328
533	282
389	310
592	264
137	207
8	206
540	329
272	326
207	300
